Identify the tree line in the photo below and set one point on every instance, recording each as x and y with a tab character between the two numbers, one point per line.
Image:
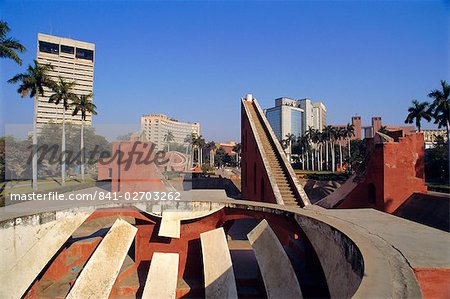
316	150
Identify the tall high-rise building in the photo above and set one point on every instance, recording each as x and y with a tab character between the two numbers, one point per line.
73	61
285	118
154	128
291	116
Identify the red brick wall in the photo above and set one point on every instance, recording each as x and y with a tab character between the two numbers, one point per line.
395	171
255	184
139	177
356	122
404	170
103	172
376	124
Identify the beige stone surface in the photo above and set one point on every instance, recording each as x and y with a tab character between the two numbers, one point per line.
162	276
21	275
279	277
100	272
171	218
217	265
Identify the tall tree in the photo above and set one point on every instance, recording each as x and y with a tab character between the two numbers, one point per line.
168	138
341	134
289	139
237	150
439	108
201	142
333	138
303	144
326	136
211	146
32	83
417	112
349	133
84	105
63	93
190	140
8	45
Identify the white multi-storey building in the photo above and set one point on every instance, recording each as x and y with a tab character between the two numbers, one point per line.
154	128
72	60
291	116
285	118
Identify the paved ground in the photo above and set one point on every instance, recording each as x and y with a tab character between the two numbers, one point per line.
422	246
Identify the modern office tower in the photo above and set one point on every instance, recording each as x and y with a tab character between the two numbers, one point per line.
285	118
154	128
72	60
291	116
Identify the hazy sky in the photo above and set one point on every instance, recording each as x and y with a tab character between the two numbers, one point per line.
195	60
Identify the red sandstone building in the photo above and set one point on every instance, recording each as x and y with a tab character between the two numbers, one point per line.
370	131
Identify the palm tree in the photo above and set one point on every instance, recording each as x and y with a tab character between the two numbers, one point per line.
319	143
418	111
84	105
326	137
289	138
190	140
63	94
32	83
237	150
333	138
307	143
200	144
439	108
341	134
9	46
313	136
303	144
168	138
349	133
211	146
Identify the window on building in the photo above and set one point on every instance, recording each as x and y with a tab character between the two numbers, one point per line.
85	54
67	49
48	47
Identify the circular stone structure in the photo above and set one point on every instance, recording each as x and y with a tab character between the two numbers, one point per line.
46	253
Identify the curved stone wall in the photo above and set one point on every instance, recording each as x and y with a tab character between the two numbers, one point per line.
355	262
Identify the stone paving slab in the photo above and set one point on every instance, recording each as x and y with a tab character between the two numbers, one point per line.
422	246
